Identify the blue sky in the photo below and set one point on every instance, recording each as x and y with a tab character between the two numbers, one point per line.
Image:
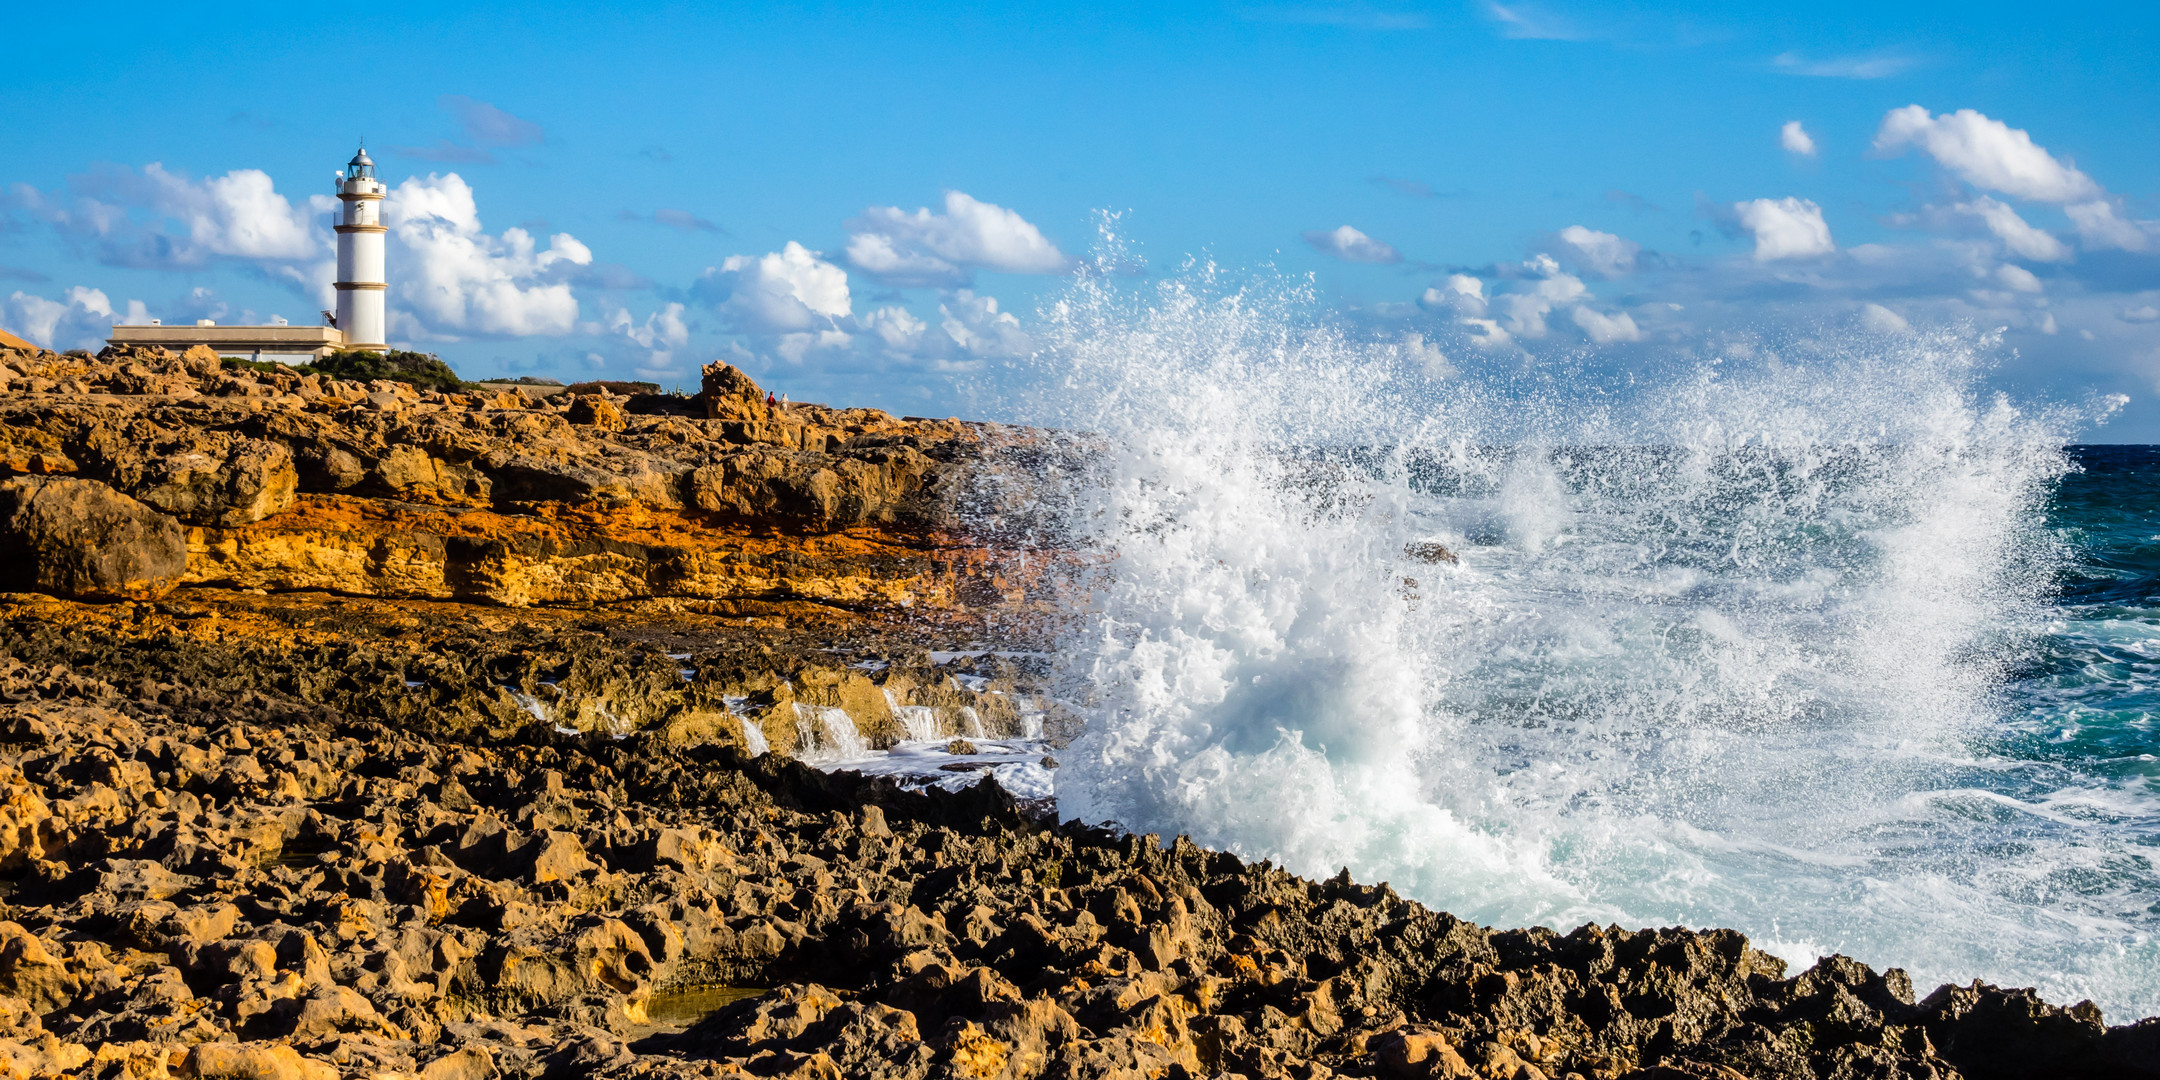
865	204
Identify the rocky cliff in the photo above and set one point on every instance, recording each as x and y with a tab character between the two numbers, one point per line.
277	481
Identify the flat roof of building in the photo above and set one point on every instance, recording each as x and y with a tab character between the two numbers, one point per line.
219	335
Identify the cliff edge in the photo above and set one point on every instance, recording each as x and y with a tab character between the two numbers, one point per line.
281	481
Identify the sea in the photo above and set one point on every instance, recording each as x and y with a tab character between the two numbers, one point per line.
1810	632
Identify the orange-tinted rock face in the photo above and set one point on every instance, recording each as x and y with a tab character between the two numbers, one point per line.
378	547
292	482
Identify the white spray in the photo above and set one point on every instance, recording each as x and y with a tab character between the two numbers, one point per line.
1713	653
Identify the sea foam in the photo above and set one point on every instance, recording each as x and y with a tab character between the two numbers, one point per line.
1727	624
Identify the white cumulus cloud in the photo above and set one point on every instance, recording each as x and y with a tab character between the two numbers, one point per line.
1427	356
1463	293
970	327
2099	225
787	291
1600	254
1350	245
1787	228
1524	312
239	214
794	348
2017	278
1606	329
450	277
163	219
897	327
80	320
975	324
927	248
1882	320
1464	296
663	329
1795	138
1986	153
2019	236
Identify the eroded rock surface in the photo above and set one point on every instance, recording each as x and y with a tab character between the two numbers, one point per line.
284	481
257	871
80	538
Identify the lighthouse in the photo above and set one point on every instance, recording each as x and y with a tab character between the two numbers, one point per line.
359	322
360	283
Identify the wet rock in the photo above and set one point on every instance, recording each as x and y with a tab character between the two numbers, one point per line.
1426	551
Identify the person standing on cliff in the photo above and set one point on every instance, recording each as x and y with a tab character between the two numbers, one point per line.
770	401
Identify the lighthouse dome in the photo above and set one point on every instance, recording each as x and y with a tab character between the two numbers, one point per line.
361	167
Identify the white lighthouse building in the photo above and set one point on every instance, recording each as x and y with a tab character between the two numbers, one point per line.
360	282
358	323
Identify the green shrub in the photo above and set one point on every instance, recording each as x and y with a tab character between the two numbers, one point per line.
266	367
424	370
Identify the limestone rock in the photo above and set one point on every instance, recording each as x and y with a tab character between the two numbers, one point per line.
41	1056
30	972
598	412
470	1063
246	481
201	360
307	482
252	1061
80	538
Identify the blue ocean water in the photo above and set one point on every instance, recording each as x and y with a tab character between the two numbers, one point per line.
2078	747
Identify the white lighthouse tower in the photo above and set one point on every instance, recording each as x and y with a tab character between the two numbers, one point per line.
360	282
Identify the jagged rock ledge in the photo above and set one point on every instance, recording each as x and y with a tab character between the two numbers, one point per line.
252	872
201	472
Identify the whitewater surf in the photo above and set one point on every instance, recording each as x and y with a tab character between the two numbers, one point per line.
1741	633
